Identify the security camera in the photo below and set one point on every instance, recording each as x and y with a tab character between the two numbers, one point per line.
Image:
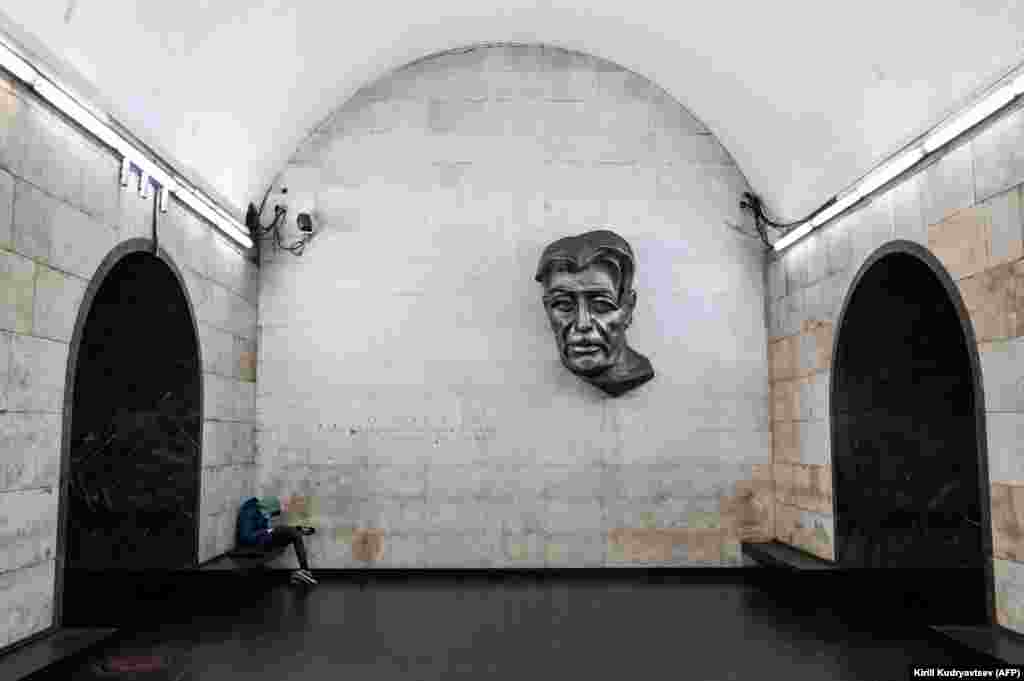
305	223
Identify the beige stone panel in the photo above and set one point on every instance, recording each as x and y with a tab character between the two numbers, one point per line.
962	241
801	486
785	480
762	506
785	396
705	545
823	333
788	357
654	545
999	303
972	292
785	442
641	545
821	489
787	520
17	292
1006	532
801	529
990	298
812	488
748	514
247	366
733	509
1017	314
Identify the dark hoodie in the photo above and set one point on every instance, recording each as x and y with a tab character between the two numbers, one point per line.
253	524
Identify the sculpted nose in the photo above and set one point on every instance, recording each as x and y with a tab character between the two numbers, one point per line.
583	322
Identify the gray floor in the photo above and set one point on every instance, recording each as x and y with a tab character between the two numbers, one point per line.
425	628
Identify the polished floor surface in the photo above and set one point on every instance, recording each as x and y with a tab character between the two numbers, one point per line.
426	628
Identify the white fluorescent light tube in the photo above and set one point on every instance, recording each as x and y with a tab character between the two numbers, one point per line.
894	167
821	218
98	124
16	65
836	208
795	235
970	117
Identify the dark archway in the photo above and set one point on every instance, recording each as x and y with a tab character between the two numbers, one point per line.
910	473
130	467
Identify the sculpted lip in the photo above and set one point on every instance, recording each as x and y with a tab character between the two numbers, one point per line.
584	349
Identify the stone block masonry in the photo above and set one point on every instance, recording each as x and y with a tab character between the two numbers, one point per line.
414	406
966	209
61	212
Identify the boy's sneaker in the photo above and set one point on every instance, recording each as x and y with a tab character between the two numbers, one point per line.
307	530
302	577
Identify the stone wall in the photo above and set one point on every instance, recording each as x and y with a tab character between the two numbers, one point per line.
61	211
412	403
966	208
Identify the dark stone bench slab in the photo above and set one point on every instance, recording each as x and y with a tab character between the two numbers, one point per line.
244	559
995	642
778	555
57	647
891	596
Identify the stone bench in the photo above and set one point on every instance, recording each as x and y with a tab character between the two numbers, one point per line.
245	558
56	649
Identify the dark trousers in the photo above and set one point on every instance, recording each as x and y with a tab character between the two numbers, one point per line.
284	535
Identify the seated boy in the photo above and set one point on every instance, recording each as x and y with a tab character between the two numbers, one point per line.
254	529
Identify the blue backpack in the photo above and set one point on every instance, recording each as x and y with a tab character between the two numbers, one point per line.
252	524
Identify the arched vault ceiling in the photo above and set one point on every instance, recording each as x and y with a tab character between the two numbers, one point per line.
805	95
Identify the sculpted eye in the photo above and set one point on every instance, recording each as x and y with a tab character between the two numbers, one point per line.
603	306
563	305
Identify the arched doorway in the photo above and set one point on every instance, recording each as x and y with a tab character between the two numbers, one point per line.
908	439
133	430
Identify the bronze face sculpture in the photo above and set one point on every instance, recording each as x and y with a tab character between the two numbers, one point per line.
589	299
